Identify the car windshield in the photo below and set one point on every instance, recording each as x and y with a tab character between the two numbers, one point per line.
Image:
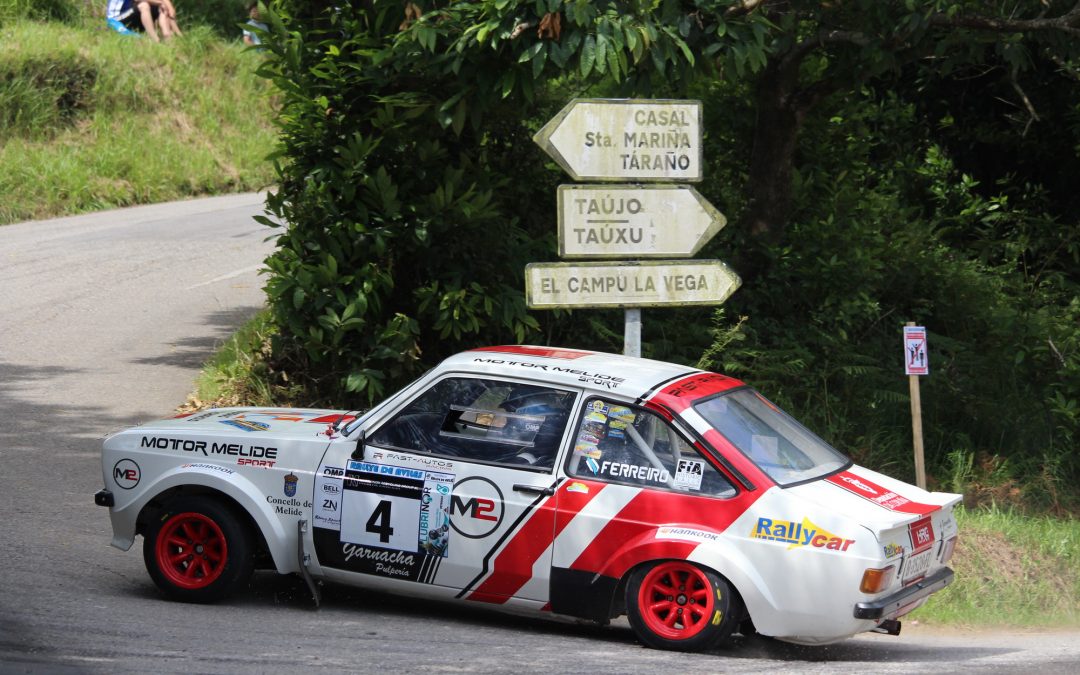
781	447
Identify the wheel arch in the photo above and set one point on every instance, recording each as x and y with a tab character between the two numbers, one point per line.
153	507
270	537
714	553
619	600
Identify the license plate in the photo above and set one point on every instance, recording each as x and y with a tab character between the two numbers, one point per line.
916	565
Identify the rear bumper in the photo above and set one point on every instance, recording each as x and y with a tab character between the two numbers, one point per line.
910	594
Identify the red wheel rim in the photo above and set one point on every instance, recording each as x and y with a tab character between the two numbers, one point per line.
191	550
676	600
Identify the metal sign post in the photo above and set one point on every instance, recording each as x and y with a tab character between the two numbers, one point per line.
632	332
916	363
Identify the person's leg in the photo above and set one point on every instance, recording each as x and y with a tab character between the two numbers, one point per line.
175	26
147	18
163	24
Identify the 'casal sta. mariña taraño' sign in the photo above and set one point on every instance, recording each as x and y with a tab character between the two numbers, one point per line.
626	140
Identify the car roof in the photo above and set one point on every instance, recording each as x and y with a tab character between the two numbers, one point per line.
627	376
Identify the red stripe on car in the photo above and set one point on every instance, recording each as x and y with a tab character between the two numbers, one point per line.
872	492
512	567
546	352
630	537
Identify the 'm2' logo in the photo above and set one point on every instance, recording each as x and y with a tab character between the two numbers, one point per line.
476	507
126	474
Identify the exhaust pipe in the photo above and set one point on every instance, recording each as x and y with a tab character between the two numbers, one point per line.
888	627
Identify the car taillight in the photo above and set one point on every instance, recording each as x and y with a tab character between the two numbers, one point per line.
877	580
947	550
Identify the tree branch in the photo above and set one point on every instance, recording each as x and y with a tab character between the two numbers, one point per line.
743	8
1069	22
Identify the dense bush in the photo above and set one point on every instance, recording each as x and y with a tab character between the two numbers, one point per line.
411	198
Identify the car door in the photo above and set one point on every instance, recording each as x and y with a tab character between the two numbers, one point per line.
633	482
453	489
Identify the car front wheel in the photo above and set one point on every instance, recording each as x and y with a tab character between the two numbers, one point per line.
677	605
197	550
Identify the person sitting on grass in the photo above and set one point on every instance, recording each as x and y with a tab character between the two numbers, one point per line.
251	38
132	16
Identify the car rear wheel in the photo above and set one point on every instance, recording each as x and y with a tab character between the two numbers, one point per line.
198	550
677	605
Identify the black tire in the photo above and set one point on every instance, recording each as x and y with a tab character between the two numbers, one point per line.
196	549
676	605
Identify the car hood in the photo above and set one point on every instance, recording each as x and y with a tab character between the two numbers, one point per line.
253	424
873	499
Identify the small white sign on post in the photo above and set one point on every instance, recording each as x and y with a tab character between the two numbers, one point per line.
916	358
916	362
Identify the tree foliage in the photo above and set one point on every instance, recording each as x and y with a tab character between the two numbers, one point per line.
880	161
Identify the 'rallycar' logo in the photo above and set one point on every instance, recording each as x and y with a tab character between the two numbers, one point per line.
799	534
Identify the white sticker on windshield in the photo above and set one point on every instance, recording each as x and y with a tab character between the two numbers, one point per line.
764	449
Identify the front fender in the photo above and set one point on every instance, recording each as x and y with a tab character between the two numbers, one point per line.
213	477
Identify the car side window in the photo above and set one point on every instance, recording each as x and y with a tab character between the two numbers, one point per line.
483	420
635	446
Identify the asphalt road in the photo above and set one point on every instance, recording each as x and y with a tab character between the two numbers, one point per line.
104	322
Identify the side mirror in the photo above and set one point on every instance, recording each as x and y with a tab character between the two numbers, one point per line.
358	453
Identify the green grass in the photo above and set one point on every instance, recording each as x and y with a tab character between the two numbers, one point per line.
1011	570
90	119
236	373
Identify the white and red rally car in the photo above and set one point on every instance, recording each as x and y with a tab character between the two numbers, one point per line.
577	483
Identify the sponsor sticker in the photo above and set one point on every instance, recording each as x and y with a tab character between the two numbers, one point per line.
126	474
209	467
893	550
248	455
247	425
587	450
575	486
598	417
290	484
635	472
476	507
886	499
798	535
688	533
922	534
688	474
